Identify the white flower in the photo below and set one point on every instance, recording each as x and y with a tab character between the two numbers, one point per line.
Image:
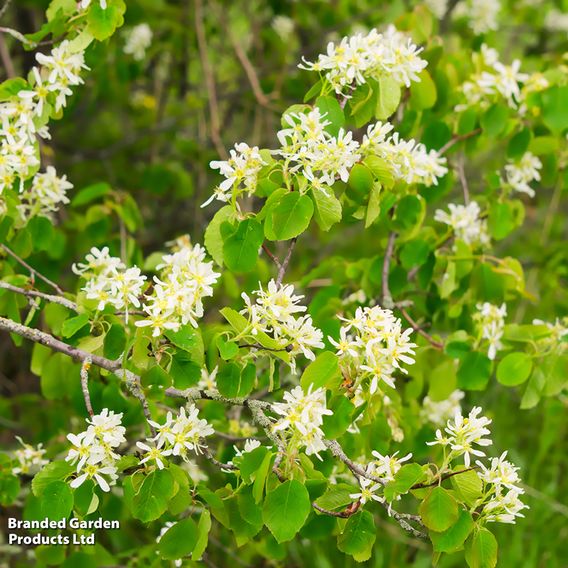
154	453
439	412
97	472
183	433
386	466
30	458
437	7
520	174
368	492
372	346
302	414
106	427
374	55
466	222
99	261
138	40
250	445
207	380
481	14
463	433
240	170
491	321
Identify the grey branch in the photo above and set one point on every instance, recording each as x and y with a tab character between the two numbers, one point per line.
35	294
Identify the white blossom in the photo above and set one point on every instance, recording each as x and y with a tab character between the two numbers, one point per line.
302	417
491	322
439	412
466	222
360	57
520	174
462	433
30	458
138	40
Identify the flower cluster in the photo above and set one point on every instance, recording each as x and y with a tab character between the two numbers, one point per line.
466	222
321	157
176	437
177	298
554	341
240	172
439	412
500	501
302	416
24	118
521	173
138	40
275	312
481	15
491	322
109	281
360	57
45	195
407	160
93	450
371	347
495	81
30	458
462	433
437	7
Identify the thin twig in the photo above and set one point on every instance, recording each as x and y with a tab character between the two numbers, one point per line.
5	8
419	330
386	299
35	294
85	385
456	139
270	255
463	180
286	262
32	271
6	59
209	80
443	478
349	511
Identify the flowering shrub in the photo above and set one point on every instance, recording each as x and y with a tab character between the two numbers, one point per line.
373	323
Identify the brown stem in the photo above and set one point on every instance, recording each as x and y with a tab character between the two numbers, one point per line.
456	139
286	262
270	255
33	271
349	511
85	385
443	478
419	330
35	294
386	300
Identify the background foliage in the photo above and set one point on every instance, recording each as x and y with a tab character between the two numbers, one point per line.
136	141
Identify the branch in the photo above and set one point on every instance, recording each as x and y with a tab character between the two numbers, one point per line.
209	80
419	330
5	8
442	478
131	380
270	255
33	271
85	385
456	139
386	295
35	294
349	511
286	262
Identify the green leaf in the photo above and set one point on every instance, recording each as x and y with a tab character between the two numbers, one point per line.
467	485
336	497
514	369
184	371
71	326
358	536
213	239
452	539
363	103
151	500
179	540
327	208
261	477
188	339
53	471
291	216
203	528
114	342
11	87
240	249
439	511
90	193
250	463
102	22
57	501
519	144
388	97
407	476
374	205
9	489
361	180
481	550
233	382
332	112
286	509
322	372
494	120
423	93
555	108
501	220
474	371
